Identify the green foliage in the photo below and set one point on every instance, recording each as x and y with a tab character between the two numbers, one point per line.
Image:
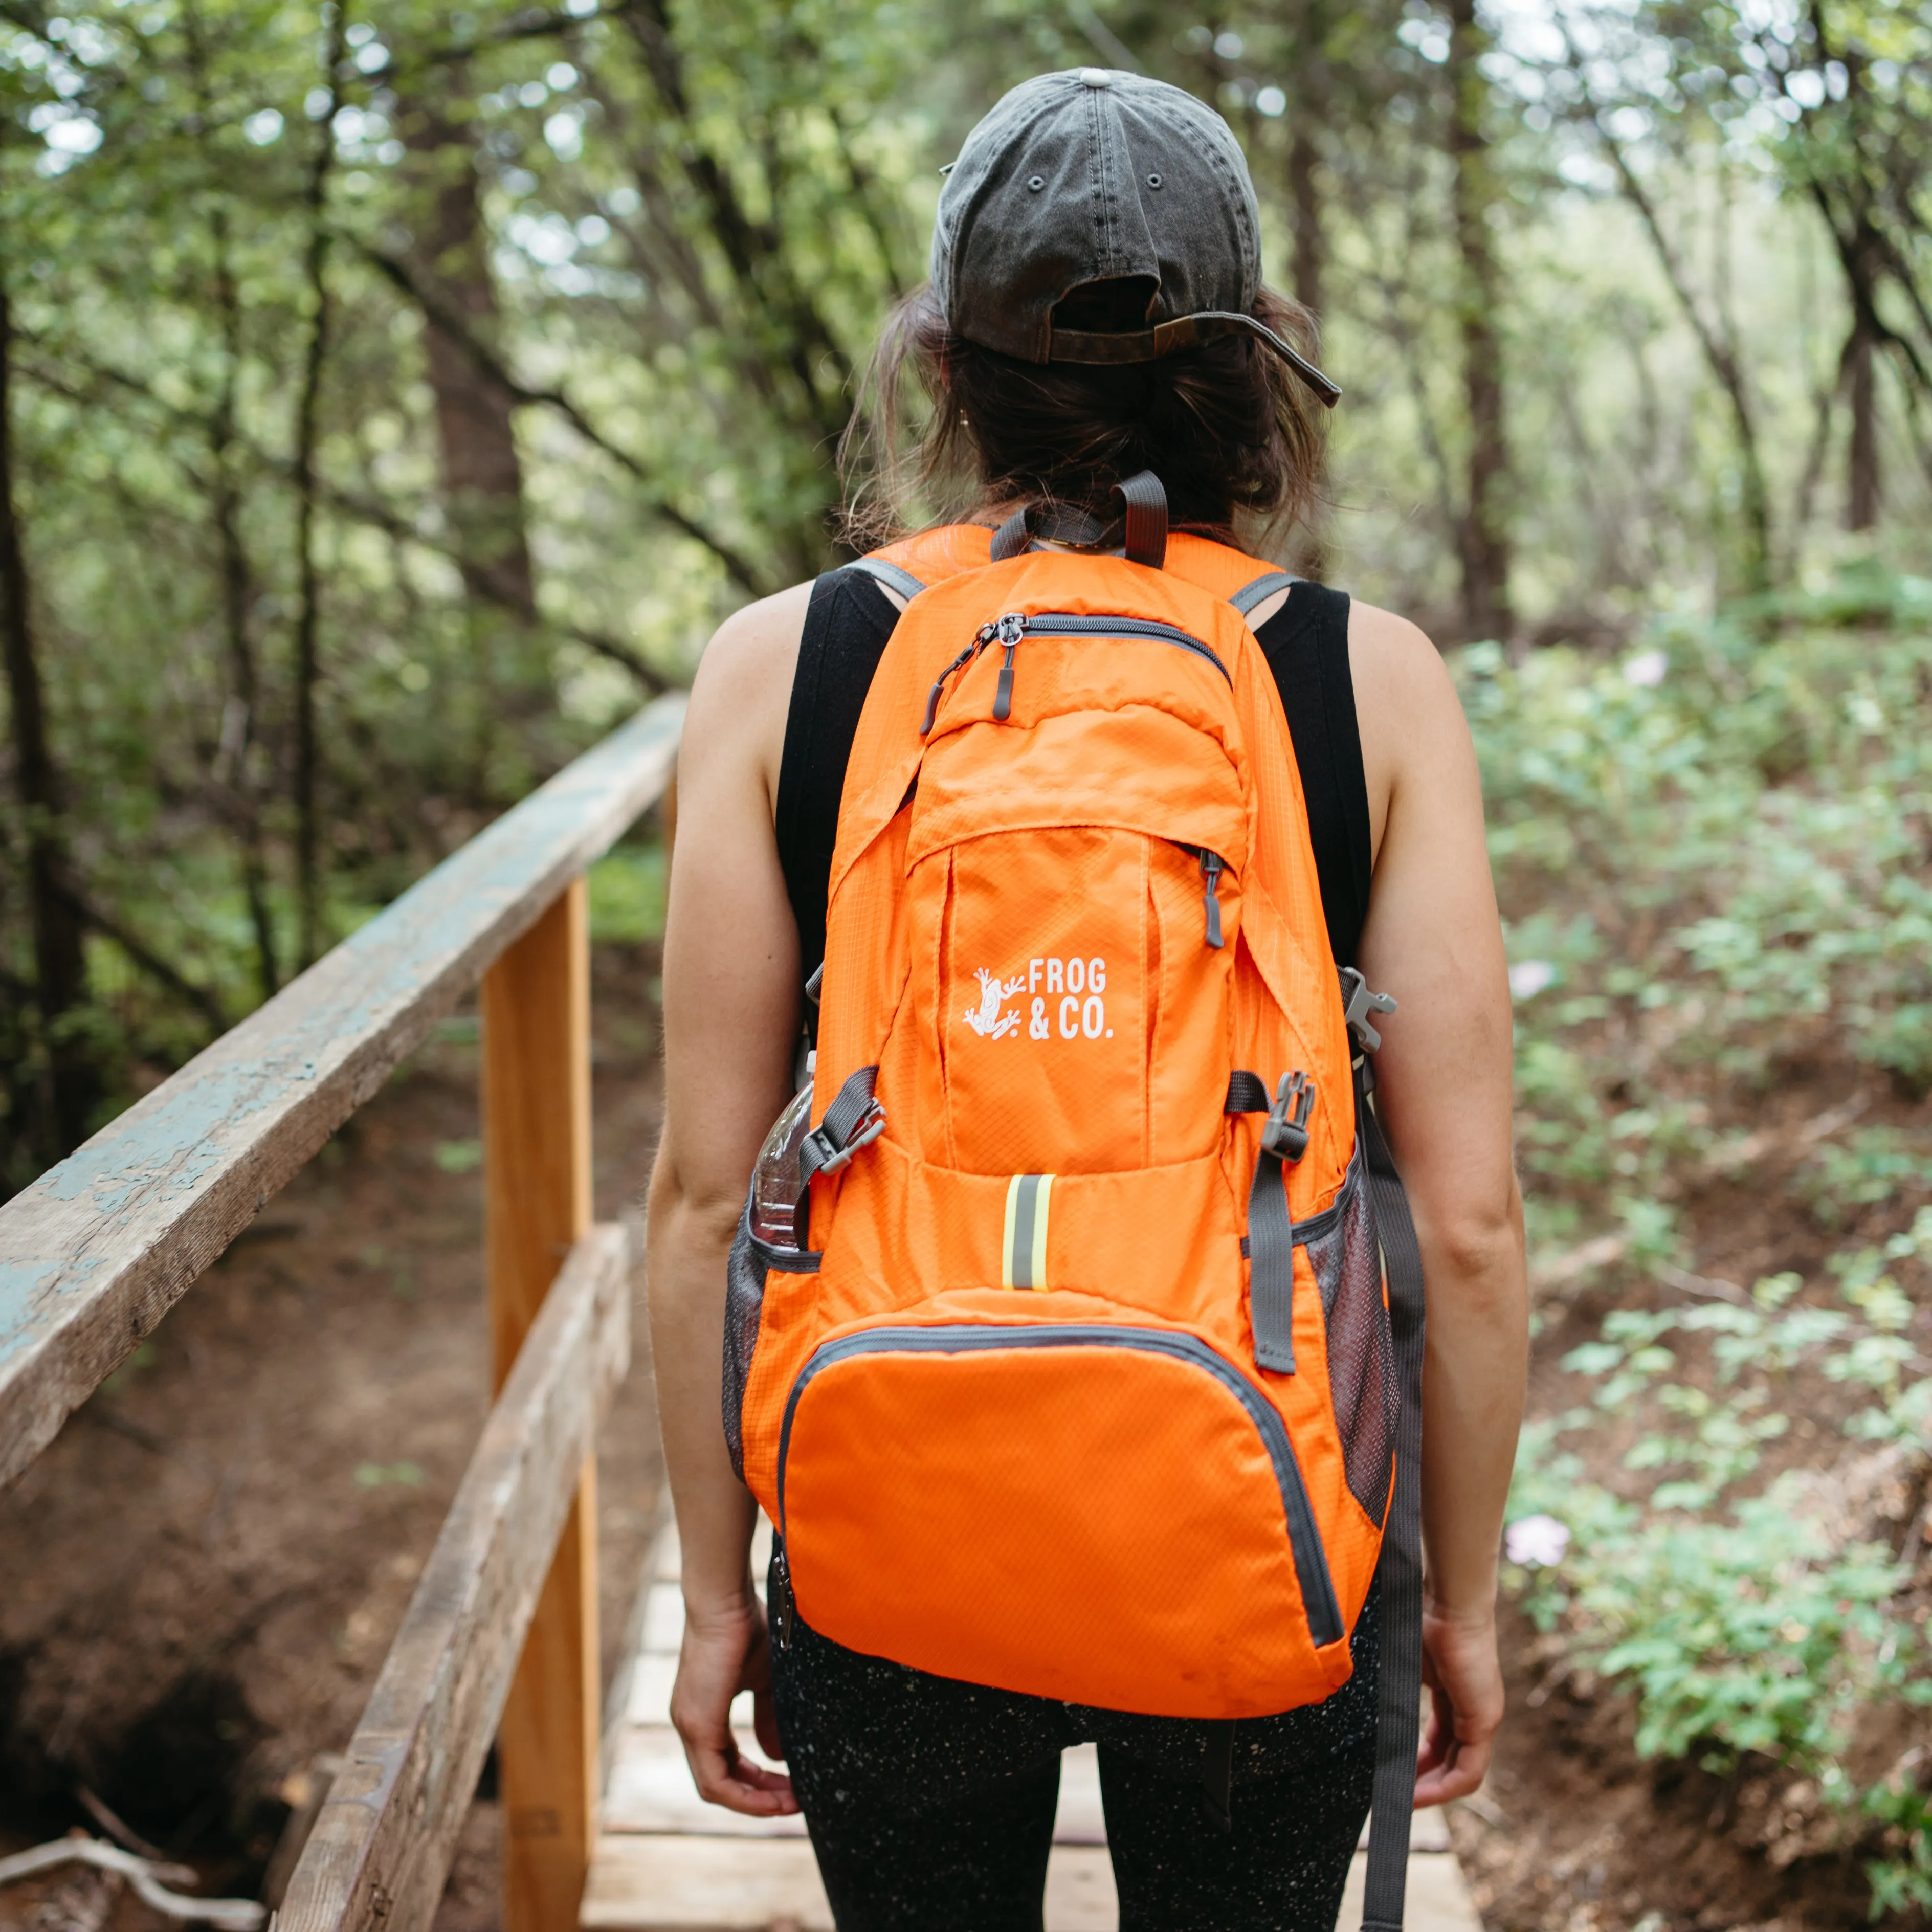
1744	1619
627	894
459	1156
1715	853
388	1475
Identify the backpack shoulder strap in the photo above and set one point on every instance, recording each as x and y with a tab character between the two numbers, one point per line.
1251	596
888	574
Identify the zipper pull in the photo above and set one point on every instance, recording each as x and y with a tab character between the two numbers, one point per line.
1211	869
1009	630
939	683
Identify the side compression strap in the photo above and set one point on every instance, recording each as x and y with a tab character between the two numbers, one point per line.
854	1119
1400	1569
1270	1245
890	575
1271	1266
1250	595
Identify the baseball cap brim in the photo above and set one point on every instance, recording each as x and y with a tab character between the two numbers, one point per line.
1149	345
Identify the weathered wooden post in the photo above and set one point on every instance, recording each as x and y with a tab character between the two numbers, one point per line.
536	1169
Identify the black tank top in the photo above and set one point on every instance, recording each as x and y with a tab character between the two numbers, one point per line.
846	627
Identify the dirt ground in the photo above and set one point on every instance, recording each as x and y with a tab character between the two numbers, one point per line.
1574	1832
203	1572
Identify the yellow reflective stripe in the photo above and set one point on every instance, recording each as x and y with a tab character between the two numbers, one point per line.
1039	1207
1023	1244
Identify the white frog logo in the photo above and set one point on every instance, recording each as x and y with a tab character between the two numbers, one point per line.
985	1019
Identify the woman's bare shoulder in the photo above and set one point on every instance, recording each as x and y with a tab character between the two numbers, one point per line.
1406	708
1396	658
742	694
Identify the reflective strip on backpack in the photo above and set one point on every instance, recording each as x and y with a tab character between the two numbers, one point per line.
1023	1250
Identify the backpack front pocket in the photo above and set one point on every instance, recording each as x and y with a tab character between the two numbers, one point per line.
1072	1000
1104	1514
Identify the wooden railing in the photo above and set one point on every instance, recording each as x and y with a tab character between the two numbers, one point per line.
500	1638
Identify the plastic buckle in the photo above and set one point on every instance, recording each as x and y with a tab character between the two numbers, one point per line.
1285	1134
1357	1004
869	1126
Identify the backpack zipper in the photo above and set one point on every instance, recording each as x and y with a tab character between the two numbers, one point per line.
1304	1535
1010	629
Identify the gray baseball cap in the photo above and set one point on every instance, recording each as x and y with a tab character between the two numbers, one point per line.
1093	174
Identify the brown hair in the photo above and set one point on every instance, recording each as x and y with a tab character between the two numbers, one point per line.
1225	425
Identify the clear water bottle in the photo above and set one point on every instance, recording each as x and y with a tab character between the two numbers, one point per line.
780	1202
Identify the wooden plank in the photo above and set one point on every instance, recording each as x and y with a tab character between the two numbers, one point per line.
382	1844
641	1883
536	1173
94	1253
644	1884
619	1693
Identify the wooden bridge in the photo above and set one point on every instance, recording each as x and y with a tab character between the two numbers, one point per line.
500	1641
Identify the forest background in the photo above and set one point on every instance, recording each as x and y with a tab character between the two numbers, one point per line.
390	400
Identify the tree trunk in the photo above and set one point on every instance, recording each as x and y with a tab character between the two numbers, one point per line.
1862	496
68	1088
308	617
1484	545
482	477
1311	266
243	719
1310	233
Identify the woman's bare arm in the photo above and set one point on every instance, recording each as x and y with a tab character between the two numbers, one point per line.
731	1009
1434	939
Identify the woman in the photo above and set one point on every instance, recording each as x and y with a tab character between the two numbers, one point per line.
1095	311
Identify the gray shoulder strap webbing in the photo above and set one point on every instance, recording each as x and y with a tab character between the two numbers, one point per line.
1400	1569
1250	595
890	575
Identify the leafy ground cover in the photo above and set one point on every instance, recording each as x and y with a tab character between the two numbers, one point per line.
1715	857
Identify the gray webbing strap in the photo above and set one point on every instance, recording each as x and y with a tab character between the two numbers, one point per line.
1400	1568
1012	537
1144	504
1271	1270
1271	1229
1245	599
890	575
854	1119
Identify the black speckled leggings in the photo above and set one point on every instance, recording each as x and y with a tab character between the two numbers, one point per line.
931	1802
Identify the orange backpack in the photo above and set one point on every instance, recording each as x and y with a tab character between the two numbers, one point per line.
1059	1354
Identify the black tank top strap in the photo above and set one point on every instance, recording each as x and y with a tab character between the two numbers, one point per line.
847	625
1307	645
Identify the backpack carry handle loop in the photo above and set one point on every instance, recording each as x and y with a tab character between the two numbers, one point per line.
1140	530
1143	506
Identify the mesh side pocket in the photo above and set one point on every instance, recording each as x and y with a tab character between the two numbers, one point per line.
1341	1244
750	1260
